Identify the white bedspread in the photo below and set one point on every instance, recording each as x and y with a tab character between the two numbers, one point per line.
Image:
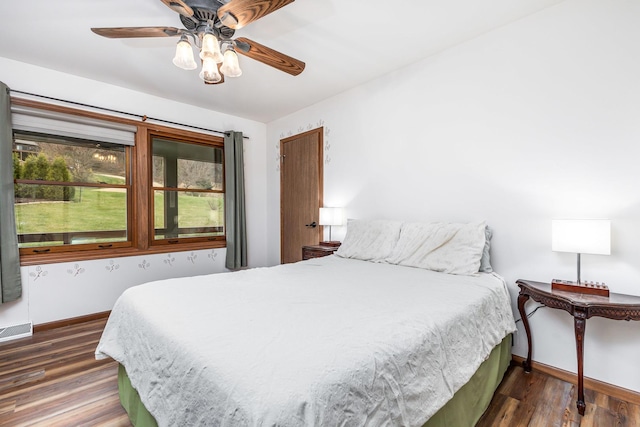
324	342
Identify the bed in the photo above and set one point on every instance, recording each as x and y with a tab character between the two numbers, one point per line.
363	338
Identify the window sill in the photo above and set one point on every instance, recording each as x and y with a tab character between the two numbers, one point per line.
40	259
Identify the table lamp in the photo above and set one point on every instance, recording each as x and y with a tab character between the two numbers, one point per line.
581	236
330	217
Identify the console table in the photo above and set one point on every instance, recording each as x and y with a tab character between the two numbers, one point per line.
581	307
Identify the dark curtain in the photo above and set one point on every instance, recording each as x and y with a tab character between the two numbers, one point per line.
10	281
235	216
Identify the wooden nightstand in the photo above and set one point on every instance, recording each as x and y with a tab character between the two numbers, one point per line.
317	251
581	307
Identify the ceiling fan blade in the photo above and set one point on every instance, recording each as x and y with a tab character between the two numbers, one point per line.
269	56
238	13
133	32
179	6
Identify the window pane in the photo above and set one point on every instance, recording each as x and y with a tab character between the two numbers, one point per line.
201	175
188	214
54	215
184	165
49	215
197	208
158	171
53	158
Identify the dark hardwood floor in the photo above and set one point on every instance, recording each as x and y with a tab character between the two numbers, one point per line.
539	400
52	379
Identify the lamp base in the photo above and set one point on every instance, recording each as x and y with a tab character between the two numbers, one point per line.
331	243
590	288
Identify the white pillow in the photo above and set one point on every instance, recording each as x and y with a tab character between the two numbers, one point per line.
445	247
369	240
485	261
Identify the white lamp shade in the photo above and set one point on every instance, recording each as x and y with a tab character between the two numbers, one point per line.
210	47
184	55
230	67
209	72
582	236
331	216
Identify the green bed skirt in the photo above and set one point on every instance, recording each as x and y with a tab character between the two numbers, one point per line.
464	409
130	400
469	403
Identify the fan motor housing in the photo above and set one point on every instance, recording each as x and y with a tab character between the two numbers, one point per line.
206	11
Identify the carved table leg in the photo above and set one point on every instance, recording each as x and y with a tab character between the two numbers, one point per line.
580	323
522	298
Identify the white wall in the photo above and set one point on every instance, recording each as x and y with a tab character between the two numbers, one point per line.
75	289
537	120
65	290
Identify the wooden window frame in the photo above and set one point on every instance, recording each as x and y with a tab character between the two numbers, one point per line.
213	142
140	199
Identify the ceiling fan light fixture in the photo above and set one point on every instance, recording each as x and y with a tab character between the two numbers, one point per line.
211	47
209	72
209	29
231	67
184	55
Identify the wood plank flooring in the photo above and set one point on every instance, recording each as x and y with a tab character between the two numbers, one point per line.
52	379
539	400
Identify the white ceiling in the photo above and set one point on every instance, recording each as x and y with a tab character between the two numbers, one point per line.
343	42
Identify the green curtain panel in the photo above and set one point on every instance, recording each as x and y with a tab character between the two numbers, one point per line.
10	281
235	216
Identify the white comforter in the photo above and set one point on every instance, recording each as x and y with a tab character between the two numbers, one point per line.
324	342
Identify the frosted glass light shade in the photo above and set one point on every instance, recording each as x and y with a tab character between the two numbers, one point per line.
184	55
331	216
211	47
231	67
582	236
209	72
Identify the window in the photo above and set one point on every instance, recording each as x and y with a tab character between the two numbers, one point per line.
187	190
88	186
70	193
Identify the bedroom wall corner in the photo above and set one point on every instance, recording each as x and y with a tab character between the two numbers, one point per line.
534	121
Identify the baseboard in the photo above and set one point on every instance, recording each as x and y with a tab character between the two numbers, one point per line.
570	377
72	321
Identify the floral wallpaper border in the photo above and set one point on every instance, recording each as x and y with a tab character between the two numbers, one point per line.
40	273
301	129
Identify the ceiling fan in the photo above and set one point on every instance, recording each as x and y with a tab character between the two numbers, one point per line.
211	24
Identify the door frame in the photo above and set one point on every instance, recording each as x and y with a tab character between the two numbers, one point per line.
320	132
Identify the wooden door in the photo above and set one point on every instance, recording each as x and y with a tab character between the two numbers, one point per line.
300	193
